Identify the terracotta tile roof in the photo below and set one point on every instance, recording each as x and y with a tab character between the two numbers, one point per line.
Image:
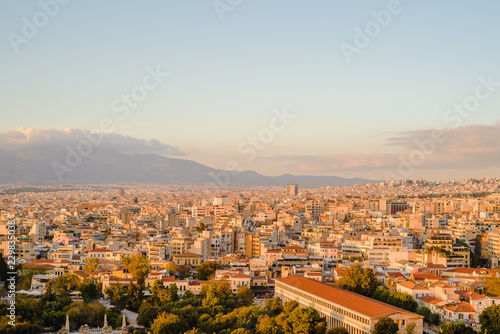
462	307
168	279
99	250
294	247
475	296
444	285
240	276
349	300
468	270
427	276
49	261
188	255
431	300
412	286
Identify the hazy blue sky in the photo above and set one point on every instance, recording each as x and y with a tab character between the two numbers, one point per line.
226	77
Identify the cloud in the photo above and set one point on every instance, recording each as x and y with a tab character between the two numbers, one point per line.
111	141
474	146
328	163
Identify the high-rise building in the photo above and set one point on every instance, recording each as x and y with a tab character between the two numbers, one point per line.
121	192
292	190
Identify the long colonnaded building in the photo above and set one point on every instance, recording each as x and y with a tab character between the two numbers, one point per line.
357	313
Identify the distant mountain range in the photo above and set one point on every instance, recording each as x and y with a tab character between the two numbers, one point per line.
34	166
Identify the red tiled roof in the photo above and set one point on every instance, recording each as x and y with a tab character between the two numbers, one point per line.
99	250
463	307
240	276
468	270
431	300
427	276
168	279
412	286
188	255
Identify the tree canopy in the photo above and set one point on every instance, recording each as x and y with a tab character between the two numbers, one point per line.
358	279
138	266
385	325
490	319
206	270
455	328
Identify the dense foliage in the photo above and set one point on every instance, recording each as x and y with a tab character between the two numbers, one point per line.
398	299
490	320
385	325
217	310
48	312
429	316
358	279
458	328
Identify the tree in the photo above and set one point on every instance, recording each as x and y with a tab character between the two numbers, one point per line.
304	320
458	328
358	279
206	270
290	306
490	319
91	265
201	227
117	296
160	294
410	328
184	271
244	296
66	283
337	330
275	305
89	291
134	297
241	331
402	300
216	293
147	315
385	325
172	268
194	331
138	266
492	286
173	292
91	314
267	325
167	323
430	317
435	318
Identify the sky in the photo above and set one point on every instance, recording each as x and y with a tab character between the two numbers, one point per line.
345	88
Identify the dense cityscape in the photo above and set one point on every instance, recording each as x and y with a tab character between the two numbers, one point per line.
405	256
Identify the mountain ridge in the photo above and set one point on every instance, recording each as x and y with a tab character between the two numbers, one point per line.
35	165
